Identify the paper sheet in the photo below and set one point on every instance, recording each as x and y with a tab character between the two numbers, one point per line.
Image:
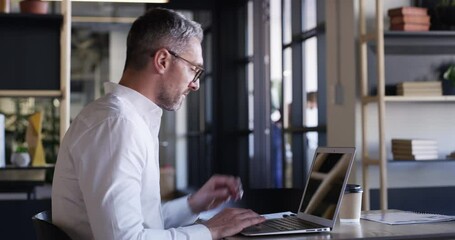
405	217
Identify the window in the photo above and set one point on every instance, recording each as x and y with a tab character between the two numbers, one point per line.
299	83
260	108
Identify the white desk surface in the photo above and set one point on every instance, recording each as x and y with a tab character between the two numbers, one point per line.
373	230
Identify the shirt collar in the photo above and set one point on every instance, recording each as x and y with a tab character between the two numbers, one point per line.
148	110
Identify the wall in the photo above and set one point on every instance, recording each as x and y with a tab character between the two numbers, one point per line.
117	54
341	76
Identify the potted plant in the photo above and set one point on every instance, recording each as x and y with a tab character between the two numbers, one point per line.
21	157
448	81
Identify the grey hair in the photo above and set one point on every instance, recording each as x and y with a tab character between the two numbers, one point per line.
159	28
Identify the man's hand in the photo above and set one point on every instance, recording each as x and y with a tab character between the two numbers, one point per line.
217	190
231	221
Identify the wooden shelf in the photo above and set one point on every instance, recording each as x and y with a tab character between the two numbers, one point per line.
393	161
31	93
372	99
13	167
430	42
422	161
31	17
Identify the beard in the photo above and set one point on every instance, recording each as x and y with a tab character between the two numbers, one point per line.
170	101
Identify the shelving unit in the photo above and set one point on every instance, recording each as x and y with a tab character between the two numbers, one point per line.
36	60
384	42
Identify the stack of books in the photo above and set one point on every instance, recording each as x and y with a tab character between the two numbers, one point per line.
414	149
409	19
428	88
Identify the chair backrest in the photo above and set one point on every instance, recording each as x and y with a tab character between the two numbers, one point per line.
45	229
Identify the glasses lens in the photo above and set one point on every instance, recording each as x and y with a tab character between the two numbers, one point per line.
198	75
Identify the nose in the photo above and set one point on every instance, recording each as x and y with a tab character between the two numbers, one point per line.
194	86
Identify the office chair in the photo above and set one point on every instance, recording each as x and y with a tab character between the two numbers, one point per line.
45	230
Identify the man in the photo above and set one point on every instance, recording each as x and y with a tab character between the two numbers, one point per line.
106	181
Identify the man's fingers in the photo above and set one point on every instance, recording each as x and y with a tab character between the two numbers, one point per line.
233	184
241	214
250	221
231	221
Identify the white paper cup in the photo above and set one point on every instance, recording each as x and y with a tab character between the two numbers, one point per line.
351	205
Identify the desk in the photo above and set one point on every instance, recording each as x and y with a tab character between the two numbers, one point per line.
279	200
15	179
373	230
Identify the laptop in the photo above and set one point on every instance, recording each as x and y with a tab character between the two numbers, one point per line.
321	199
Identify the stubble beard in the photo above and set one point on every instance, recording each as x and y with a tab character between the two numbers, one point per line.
167	102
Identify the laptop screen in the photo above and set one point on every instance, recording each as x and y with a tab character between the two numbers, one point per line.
327	177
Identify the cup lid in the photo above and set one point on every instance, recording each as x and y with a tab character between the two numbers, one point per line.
353	188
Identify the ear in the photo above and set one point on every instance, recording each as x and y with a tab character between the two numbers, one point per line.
162	60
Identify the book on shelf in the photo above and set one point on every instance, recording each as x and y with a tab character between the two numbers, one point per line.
407	92
420	84
427	88
415	156
410	27
407	10
418	89
422	93
430	151
414	19
412	149
413	142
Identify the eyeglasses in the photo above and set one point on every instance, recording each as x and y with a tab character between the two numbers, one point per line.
199	70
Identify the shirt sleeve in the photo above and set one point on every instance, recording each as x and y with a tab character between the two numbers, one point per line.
178	213
110	175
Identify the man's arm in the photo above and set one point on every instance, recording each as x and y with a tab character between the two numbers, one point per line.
217	190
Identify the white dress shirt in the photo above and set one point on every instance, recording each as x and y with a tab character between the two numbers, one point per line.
106	180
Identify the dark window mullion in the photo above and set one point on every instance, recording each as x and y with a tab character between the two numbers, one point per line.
299	170
300	37
319	129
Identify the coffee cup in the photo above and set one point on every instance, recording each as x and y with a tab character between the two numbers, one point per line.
351	204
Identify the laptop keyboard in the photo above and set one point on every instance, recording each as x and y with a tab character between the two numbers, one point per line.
287	223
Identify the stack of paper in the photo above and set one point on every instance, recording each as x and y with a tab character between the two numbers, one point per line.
428	88
414	149
396	217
